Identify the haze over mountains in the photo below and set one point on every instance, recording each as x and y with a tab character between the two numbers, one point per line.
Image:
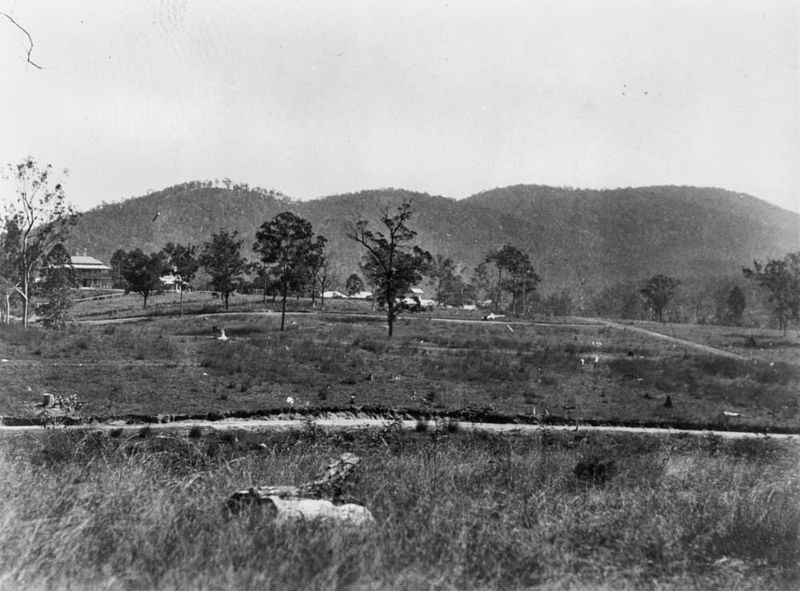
594	237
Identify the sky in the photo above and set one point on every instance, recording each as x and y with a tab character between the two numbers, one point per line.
314	98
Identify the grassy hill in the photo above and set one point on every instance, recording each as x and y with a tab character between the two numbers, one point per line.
572	235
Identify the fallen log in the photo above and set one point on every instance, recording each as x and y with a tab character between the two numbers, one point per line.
319	499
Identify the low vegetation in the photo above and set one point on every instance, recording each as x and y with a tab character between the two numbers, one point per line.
334	362
454	510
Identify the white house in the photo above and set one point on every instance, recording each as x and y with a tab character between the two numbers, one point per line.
91	273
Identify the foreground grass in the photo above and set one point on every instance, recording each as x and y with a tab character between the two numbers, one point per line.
453	510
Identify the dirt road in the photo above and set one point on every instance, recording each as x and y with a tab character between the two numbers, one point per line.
676	340
357	423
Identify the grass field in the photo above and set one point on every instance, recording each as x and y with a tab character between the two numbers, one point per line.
752	343
453	510
173	366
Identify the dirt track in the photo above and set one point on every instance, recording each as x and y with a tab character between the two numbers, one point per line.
676	340
351	423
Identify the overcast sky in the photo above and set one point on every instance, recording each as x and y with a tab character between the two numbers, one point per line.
450	98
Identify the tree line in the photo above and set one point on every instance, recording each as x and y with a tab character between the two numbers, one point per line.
292	259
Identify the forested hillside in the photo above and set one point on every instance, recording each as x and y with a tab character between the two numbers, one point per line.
585	240
627	233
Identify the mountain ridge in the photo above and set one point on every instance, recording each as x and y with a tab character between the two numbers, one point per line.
594	237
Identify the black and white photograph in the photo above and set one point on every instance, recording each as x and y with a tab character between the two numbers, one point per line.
431	294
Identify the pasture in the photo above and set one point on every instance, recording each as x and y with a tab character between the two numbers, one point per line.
164	366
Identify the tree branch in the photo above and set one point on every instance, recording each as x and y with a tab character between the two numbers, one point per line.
30	40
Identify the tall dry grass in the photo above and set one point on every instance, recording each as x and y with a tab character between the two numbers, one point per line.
454	510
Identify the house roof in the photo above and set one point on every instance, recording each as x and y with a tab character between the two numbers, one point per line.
87	262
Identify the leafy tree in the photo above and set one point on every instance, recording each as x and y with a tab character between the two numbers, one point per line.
36	220
268	281
9	265
184	264
445	277
620	300
316	262
287	243
222	259
782	279
457	292
142	272
117	280
450	289
482	283
391	262
520	278
55	289
326	277
559	304
372	274
736	304
657	293
353	285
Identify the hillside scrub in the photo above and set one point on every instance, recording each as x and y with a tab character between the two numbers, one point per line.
453	510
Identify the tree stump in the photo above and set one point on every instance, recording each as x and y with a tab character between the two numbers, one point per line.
319	499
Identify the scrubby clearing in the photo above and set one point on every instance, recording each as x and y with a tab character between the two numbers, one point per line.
166	367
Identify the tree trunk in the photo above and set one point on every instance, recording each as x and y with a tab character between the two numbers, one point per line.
181	288
318	499
283	304
390	314
227	295
25	302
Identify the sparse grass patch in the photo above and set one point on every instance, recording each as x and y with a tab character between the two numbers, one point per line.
174	366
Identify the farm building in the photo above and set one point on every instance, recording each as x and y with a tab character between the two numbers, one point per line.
415	299
91	273
171	282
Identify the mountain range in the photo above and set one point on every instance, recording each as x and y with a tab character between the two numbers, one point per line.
573	236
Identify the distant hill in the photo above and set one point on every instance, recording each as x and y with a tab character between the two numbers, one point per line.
572	235
636	232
